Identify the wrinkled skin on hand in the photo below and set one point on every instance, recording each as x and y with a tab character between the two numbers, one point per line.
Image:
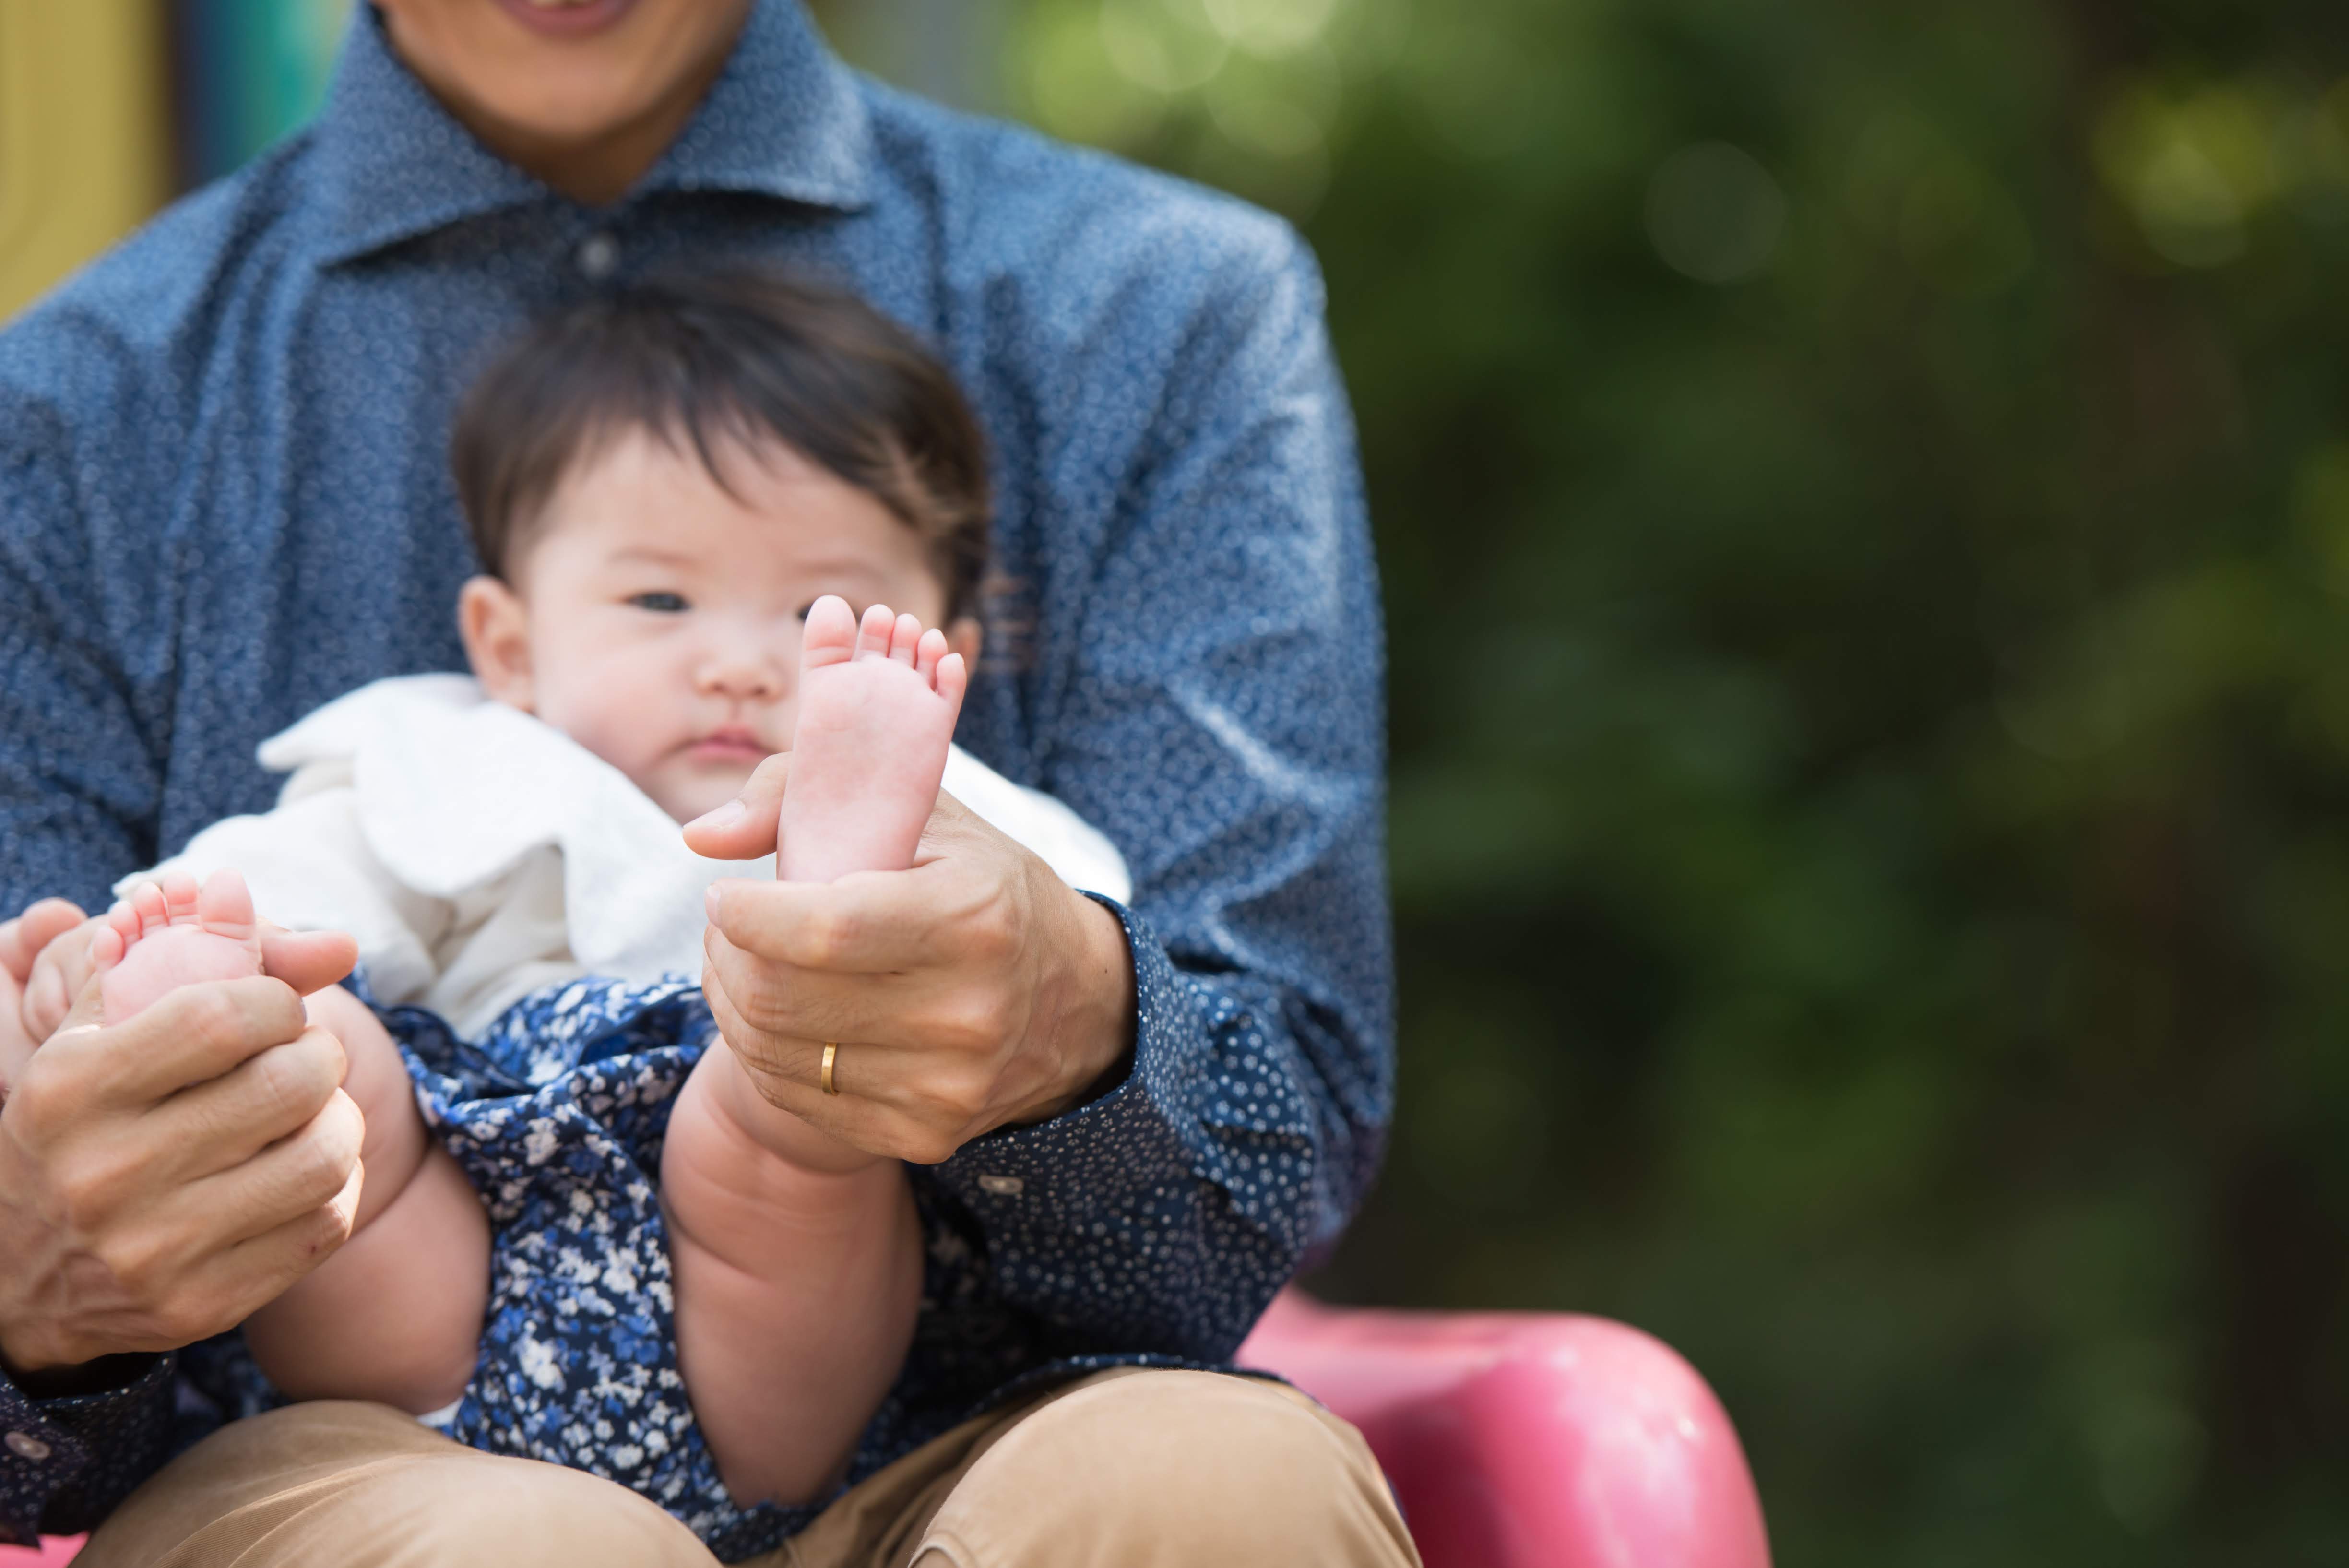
163	1177
973	991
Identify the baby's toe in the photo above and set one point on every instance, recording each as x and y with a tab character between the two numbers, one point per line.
179	893
225	904
905	637
147	909
873	633
829	634
951	679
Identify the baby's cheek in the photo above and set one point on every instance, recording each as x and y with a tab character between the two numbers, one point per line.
610	718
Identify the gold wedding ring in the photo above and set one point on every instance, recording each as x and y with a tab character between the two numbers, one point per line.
831	1055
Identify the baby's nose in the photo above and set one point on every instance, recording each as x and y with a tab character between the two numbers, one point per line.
744	673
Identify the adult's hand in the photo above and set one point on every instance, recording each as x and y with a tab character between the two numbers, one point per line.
973	991
163	1177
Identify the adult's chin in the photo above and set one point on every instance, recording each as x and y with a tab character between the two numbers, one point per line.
536	81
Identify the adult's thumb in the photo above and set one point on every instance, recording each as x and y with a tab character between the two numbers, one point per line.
22	938
745	827
307	961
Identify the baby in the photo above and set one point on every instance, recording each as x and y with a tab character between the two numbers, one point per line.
679	494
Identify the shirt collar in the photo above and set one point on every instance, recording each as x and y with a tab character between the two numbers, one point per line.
785	118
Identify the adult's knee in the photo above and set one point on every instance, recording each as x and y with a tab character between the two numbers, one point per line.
521	1513
1173	1467
364	1486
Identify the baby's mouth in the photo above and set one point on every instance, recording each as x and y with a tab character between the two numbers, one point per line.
734	743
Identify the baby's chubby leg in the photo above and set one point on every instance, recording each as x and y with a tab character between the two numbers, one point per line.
396	1315
799	1259
798	1263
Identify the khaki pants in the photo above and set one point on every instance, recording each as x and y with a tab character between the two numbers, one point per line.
1124	1468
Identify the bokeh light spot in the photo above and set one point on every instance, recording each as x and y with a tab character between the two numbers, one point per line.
1167	46
2192	169
1714	213
1074	92
1271	26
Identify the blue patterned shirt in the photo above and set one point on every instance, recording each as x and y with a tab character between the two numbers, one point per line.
223	501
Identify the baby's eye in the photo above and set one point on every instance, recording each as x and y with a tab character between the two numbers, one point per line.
660	603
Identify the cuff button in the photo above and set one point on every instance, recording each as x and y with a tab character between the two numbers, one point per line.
25	1446
1003	1186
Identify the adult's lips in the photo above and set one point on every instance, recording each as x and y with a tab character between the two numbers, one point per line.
567	18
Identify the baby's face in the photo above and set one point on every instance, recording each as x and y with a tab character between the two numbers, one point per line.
655	619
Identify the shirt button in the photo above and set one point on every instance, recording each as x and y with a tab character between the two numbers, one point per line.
1003	1186
25	1446
599	254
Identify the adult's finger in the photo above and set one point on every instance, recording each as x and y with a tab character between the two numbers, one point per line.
307	961
884	1104
226	1121
190	1036
817	1004
288	1180
787	1072
212	1284
745	827
928	1013
766	1051
866	923
265	1264
963	887
22	938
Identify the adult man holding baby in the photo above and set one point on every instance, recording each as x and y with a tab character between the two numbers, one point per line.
223	503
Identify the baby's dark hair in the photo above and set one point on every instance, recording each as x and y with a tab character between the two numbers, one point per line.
738	354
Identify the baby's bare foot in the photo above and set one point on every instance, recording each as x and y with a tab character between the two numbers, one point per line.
172	933
877	707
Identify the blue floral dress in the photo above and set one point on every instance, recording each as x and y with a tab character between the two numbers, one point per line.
557	1115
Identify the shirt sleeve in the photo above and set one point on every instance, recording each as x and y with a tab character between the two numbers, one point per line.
78	789
79	783
1224	724
65	1463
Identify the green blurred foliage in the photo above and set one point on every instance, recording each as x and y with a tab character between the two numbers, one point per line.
1864	498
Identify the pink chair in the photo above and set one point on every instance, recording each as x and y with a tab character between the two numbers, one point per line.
1514	1439
1529	1440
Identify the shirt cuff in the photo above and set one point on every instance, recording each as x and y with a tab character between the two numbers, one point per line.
1095	1219
70	1448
